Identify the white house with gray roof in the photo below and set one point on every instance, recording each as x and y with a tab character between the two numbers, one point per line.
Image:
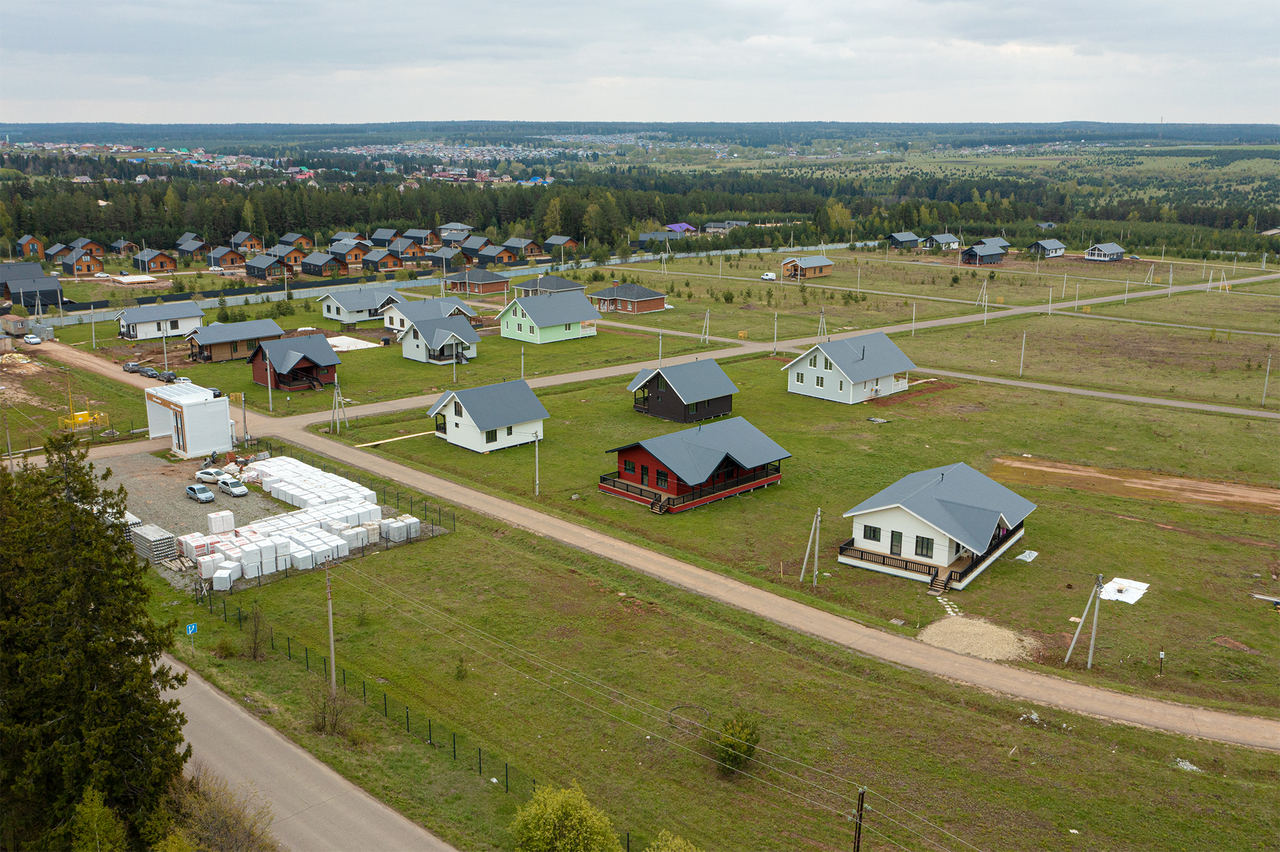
549	318
367	303
150	322
439	340
492	417
398	316
942	526
1104	252
850	370
946	242
1047	248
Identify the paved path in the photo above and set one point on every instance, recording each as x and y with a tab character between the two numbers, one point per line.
315	809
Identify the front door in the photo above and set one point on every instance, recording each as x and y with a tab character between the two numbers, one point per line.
895	543
644	474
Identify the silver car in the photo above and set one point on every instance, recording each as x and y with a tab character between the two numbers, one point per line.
233	487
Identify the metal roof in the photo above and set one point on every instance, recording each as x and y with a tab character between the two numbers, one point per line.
402	243
1049	244
285	353
627	290
420	310
967	507
492	250
558	240
33	285
263	261
694	454
340	236
475	242
984	250
496	406
384	234
555	308
84	241
159	313
226	332
1107	248
905	236
437	331
518	244
446	252
363	299
240	236
945	238
416	234
453	226
281	250
76	255
222	251
474	276
377	255
998	242
317	258
192	245
291	236
15	271
151	254
121	244
550	284
692	382
862	358
809	261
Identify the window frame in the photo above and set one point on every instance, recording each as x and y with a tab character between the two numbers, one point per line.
870	533
491	436
924	547
895	543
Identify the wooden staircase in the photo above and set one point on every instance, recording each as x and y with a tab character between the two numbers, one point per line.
659	506
939	586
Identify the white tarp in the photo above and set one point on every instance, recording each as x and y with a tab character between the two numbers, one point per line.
1028	555
350	344
1120	589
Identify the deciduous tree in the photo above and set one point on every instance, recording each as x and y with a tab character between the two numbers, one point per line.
562	820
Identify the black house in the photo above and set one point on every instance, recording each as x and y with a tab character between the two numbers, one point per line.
684	393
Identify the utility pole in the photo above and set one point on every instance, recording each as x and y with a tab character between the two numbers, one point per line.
333	661
775	332
521	364
659	349
1023	359
1266	379
1095	600
814	532
8	447
537	439
270	380
857	825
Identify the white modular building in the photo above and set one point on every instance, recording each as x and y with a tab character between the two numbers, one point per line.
198	423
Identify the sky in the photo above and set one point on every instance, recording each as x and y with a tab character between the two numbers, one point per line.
320	61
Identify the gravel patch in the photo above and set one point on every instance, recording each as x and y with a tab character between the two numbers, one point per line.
977	638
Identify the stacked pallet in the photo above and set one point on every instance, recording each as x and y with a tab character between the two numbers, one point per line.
153	544
221	522
300	484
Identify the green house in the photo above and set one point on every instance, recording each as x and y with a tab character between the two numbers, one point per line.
548	318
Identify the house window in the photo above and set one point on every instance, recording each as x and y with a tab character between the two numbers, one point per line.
817	381
159	327
328	309
841	387
415	334
662	385
235	346
826	364
519	326
924	547
402	322
566	326
813	362
629	467
870	533
799	378
457	408
692	408
509	428
662	479
491	436
895	543
173	325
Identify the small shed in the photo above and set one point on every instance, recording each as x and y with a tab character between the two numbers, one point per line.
628	298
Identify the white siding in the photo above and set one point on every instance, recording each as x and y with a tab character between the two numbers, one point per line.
463	432
148	330
898	519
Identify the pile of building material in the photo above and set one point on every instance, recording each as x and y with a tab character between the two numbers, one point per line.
300	484
153	544
221	522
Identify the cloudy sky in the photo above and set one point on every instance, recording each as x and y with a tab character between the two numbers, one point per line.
321	61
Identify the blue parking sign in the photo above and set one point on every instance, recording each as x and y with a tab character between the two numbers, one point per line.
191	629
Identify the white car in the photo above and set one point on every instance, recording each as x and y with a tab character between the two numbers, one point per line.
101	275
182	380
212	475
233	487
768	276
215	268
31	340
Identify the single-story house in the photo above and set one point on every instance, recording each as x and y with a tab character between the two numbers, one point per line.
904	240
350	252
292	363
557	242
982	254
439	340
89	246
1046	226
473	245
684	229
946	242
406	249
232	340
186	238
543	284
23	270
81	262
243	241
366	303
475	282
999	242
381	260
628	298
686	469
1105	252
57	252
153	260
492	417
422	237
851	369
454	239
291	255
266	267
224	257
1047	248
296	240
548	318
123	247
495	254
804	268
194	249
447	257
198	423
29	246
345	236
523	247
954	528
397	316
323	264
152	322
684	393
649	240
37	294
452	226
384	237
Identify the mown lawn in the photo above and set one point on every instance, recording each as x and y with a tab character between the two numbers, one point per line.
1216	309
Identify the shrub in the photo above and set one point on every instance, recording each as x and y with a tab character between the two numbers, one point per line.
331	711
737	741
214	816
728	297
668	842
562	820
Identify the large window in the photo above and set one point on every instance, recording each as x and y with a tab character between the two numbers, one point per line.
662	384
895	543
826	363
491	437
693	408
870	533
662	479
628	466
924	547
813	362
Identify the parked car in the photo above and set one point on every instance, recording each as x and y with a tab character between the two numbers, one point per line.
31	339
1134	257
149	373
168	376
200	493
182	380
216	393
768	276
102	275
215	268
212	475
233	487
132	367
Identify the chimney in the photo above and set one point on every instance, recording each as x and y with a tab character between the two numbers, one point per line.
864	352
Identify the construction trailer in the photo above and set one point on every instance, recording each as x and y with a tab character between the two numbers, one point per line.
198	423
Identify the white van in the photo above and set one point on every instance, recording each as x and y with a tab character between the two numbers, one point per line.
768	276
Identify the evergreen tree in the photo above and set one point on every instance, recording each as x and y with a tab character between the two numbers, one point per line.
83	692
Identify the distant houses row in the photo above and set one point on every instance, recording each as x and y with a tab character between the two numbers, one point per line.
993	249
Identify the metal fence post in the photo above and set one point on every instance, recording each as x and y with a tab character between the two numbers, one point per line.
306	653
455	746
239	618
364	692
479	761
429	730
384	704
224	610
506	777
289	644
272	632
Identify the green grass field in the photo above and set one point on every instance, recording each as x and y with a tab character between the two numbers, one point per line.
36	395
839	459
1215	309
1071	350
617	654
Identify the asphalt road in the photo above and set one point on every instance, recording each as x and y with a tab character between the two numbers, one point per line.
315	809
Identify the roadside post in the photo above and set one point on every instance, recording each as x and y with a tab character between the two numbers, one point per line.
191	631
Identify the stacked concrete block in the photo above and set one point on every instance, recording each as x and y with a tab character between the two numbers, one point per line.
221	522
222	580
153	544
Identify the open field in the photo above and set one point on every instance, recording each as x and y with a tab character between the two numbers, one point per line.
407	621
839	459
1122	357
1216	309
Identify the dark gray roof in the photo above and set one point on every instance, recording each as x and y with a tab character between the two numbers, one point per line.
159	313
222	251
120	244
317	258
437	331
447	253
694	454
150	254
550	284
402	243
967	506
364	299
429	309
15	271
281	250
284	354
557	240
55	248
291	236
475	242
984	250
627	290
18	286
518	244
810	261
240	236
376	255
193	245
904	236
1049	244
24	239
475	276
693	382
345	246
998	242
344	235
227	332
384	234
187	237
493	251
945	238
1107	248
416	234
453	226
75	255
263	261
496	406
862	358
82	242
554	308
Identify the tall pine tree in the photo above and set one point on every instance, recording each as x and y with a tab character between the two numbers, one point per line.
82	689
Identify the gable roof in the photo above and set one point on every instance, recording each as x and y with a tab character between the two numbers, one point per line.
193	245
694	454
377	255
437	331
285	353
555	308
291	237
363	299
810	261
16	271
496	406
1049	244
341	236
453	226
494	251
518	244
904	236
402	243
151	254
998	242
1107	248
429	309
187	237
477	241
84	241
19	286
967	507
76	255
862	358
222	251
263	261
945	238
551	284
385	234
474	276
240	236
692	382
159	313
26	238
122	244
344	246
627	290
318	258
281	250
984	250
559	240
226	332
416	234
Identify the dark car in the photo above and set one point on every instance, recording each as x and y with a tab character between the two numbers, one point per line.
132	366
149	372
216	393
167	376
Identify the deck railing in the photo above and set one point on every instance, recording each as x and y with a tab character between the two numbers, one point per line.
854	552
